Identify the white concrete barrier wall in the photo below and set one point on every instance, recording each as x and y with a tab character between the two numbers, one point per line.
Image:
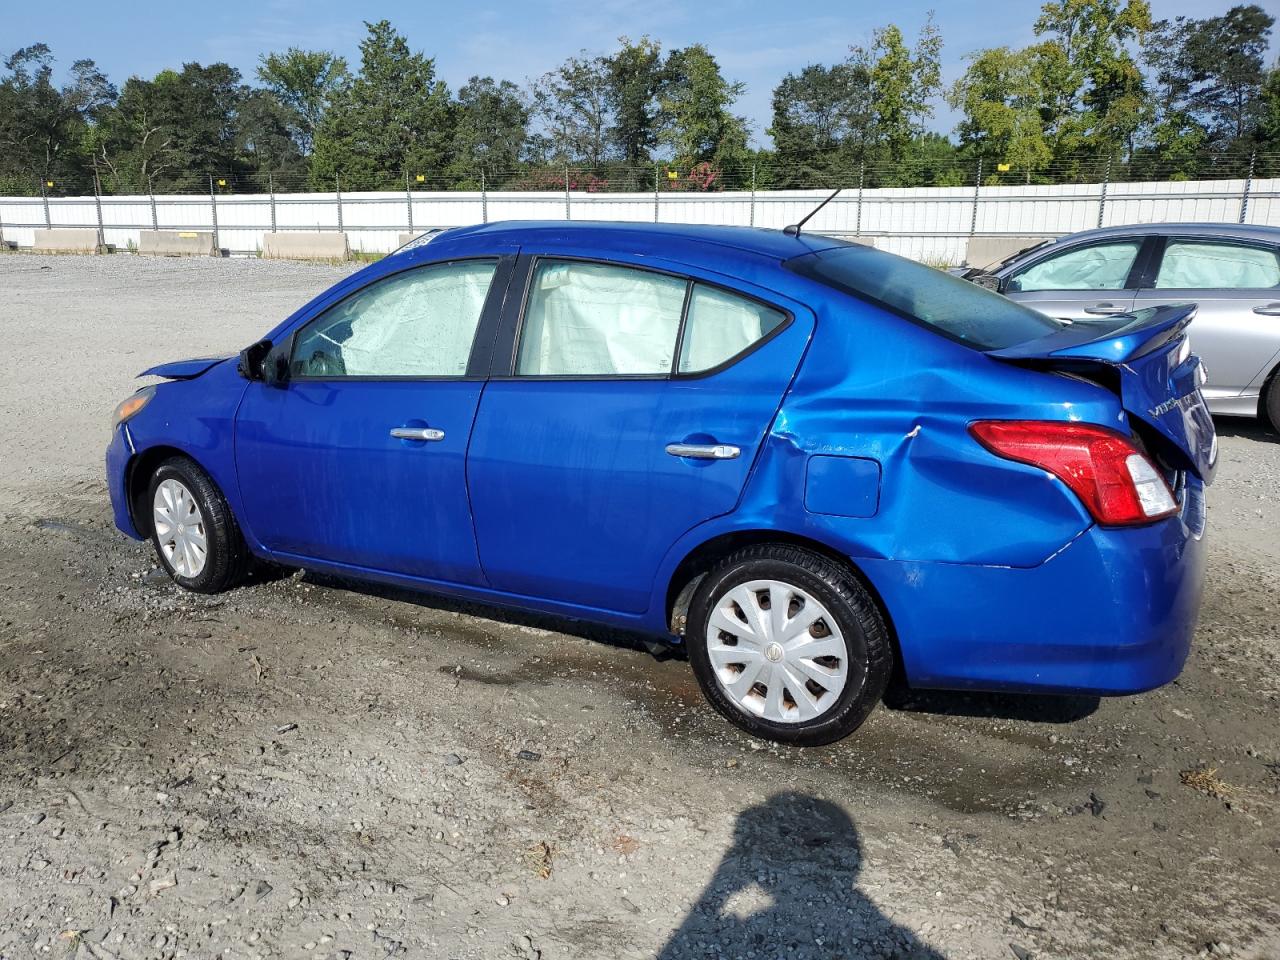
309	245
177	243
65	240
931	223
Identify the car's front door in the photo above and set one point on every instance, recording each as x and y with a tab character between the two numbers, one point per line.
1236	287
359	457
633	410
1089	281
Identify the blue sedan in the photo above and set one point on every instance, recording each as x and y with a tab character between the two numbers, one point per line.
813	463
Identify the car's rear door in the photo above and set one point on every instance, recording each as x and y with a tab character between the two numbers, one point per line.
359	457
1236	287
630	409
1083	281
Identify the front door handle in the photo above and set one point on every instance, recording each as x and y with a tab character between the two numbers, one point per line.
704	451
417	433
1268	310
1105	310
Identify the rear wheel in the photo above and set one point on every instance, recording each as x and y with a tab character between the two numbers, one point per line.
1271	401
192	529
788	645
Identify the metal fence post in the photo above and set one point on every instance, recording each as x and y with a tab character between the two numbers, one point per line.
752	221
977	186
567	215
408	200
213	209
337	192
862	176
44	196
1102	200
655	193
271	191
97	203
484	199
151	195
1248	188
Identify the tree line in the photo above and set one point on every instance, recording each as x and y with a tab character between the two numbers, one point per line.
1103	83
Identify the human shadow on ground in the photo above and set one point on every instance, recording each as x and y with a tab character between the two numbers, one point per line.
788	887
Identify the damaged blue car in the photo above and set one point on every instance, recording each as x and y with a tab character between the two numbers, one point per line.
814	464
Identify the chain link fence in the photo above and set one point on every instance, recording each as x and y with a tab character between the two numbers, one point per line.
925	209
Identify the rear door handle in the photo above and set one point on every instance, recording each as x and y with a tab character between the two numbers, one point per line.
704	451
417	433
1268	310
1105	310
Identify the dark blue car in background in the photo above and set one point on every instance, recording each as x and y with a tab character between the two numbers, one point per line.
813	462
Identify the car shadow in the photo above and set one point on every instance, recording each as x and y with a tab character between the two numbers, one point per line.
788	886
1247	428
1037	708
1031	707
607	635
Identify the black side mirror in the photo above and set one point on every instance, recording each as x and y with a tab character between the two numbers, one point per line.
275	366
988	281
251	360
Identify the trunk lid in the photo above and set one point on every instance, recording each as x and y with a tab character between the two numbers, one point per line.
1158	378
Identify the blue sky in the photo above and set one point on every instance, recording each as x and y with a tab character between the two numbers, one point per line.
756	41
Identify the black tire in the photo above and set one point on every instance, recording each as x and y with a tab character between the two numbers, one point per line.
1271	402
227	560
849	602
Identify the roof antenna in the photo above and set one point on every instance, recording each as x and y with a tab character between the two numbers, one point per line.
794	229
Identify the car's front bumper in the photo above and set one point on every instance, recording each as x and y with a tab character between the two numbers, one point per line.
1113	612
119	453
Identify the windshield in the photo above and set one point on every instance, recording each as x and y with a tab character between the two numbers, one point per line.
953	307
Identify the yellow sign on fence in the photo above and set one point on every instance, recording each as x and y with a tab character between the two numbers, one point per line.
1002	167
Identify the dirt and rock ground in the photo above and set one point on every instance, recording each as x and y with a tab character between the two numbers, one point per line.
306	768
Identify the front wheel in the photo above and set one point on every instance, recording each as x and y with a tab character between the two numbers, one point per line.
193	530
788	645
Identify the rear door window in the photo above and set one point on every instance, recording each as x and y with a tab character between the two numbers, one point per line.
1200	265
1099	266
599	320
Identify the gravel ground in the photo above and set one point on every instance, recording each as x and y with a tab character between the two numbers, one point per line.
305	768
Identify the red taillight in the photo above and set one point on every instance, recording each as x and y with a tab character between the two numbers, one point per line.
1116	481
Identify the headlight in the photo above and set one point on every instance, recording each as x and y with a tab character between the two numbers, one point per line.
131	406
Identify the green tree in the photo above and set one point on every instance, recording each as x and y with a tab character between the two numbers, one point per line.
267	135
1001	100
305	82
1210	73
822	116
45	130
1095	94
491	128
904	82
574	106
697	105
394	117
174	130
636	77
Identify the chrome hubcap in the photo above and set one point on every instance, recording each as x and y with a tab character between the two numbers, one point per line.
179	529
777	652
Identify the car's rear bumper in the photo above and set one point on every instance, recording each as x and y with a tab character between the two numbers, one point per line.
1111	613
119	453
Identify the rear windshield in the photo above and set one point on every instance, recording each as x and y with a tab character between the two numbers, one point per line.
955	308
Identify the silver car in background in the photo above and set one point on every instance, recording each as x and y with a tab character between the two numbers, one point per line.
1232	273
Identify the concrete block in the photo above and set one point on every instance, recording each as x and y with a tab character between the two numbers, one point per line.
65	240
296	245
988	251
404	238
177	243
